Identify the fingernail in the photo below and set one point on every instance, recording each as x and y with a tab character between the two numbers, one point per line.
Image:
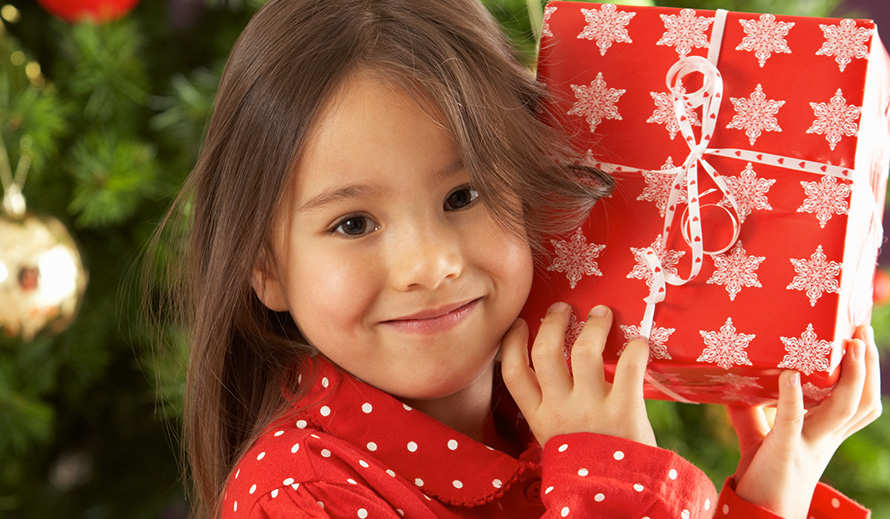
857	352
558	307
794	380
870	333
599	311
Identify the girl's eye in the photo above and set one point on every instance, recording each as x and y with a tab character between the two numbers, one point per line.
460	198
355	226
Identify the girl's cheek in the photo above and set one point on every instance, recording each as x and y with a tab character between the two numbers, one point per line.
332	286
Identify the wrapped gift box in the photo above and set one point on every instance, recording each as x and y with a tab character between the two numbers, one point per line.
751	153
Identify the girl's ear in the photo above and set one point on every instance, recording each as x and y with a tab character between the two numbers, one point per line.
267	285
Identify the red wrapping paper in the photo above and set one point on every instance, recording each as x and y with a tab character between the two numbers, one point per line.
799	149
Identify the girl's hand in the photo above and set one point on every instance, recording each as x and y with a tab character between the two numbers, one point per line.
780	468
555	401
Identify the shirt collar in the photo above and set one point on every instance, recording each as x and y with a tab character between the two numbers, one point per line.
442	462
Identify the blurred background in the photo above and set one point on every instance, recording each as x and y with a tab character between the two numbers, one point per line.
101	122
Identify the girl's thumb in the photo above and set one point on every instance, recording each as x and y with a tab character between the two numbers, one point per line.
789	411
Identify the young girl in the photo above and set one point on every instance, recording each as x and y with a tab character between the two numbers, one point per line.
365	218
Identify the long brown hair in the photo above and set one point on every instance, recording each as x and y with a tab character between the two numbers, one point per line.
290	58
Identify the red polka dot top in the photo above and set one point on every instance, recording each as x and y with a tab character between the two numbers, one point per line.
349	450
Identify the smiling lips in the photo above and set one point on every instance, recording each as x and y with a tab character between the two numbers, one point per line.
434	320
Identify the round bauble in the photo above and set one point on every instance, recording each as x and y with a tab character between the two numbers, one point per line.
42	278
97	11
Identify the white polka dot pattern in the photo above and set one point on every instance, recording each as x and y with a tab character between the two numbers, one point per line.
379	445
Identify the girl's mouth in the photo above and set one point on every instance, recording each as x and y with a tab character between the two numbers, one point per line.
433	320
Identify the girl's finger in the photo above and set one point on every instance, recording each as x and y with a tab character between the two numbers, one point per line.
751	427
789	411
519	378
547	353
631	370
839	410
750	424
587	352
870	403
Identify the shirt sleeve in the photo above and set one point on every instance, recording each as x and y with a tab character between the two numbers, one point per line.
322	500
593	475
827	503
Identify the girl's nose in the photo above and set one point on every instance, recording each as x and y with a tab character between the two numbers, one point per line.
426	258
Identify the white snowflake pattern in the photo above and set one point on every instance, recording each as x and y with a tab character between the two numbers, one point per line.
545	27
733	397
575	257
664	111
596	102
807	353
668	260
657	340
735	381
814	392
726	348
765	36
748	191
606	26
755	114
815	276
825	198
571	335
844	41
835	119
685	31
736	270
658	187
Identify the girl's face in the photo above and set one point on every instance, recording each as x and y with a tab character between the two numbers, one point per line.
386	259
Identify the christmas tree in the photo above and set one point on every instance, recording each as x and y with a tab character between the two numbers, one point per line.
107	114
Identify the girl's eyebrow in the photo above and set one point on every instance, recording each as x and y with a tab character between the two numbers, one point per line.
362	190
336	194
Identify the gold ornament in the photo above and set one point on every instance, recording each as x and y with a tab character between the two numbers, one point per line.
42	279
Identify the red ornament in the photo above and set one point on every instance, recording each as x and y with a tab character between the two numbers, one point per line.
882	287
98	11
